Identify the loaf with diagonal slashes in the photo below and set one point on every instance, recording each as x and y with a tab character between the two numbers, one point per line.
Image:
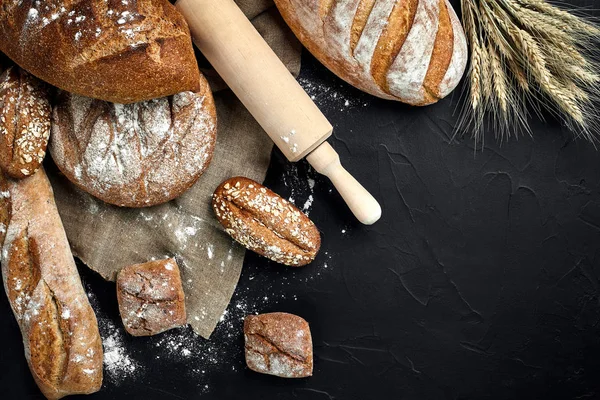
413	51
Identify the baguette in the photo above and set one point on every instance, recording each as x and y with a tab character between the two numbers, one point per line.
118	51
60	332
414	51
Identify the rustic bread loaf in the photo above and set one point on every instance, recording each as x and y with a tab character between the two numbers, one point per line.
134	155
5	207
151	298
25	114
278	344
265	223
119	51
60	333
413	51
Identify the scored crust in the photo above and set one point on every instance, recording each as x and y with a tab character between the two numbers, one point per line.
119	51
151	298
278	344
60	333
265	223
134	155
407	50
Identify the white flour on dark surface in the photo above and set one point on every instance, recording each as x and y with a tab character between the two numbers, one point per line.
332	94
118	363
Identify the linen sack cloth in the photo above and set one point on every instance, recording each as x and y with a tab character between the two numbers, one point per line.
107	238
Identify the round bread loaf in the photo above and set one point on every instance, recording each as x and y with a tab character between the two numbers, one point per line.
414	51
134	155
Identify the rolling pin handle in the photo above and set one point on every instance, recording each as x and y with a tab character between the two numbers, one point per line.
363	205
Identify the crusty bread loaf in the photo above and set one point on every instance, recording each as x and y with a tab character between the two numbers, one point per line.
119	51
278	344
413	51
134	155
265	223
60	333
151	298
25	114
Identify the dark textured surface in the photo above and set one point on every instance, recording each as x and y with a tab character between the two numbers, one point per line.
481	281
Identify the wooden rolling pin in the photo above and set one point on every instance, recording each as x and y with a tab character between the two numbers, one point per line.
264	85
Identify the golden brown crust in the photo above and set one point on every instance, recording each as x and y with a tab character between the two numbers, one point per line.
441	55
135	155
278	344
265	223
151	298
382	47
25	113
114	50
60	332
391	40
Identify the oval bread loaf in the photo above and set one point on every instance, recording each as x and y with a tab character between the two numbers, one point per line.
414	51
119	51
25	114
265	223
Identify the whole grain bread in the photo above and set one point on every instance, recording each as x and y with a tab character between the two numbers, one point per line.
151	298
278	344
414	51
60	332
265	223
134	155
25	114
119	51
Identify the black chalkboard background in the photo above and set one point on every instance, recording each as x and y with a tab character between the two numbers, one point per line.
481	281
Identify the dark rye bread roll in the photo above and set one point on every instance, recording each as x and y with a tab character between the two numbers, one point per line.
278	344
413	51
60	332
134	155
151	298
114	50
265	223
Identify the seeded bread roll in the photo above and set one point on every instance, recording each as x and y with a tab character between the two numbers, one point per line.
278	344
265	223
134	155
151	298
114	50
60	333
414	51
25	114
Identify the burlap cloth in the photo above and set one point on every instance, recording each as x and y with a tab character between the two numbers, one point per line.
107	238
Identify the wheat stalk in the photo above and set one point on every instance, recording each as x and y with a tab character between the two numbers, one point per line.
530	54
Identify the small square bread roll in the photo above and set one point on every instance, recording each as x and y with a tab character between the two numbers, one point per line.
151	298
278	344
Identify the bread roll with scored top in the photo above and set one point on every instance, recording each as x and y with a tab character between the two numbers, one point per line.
119	51
265	223
134	155
60	332
414	51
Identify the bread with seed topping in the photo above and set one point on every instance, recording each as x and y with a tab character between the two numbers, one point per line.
413	51
265	223
60	332
25	114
